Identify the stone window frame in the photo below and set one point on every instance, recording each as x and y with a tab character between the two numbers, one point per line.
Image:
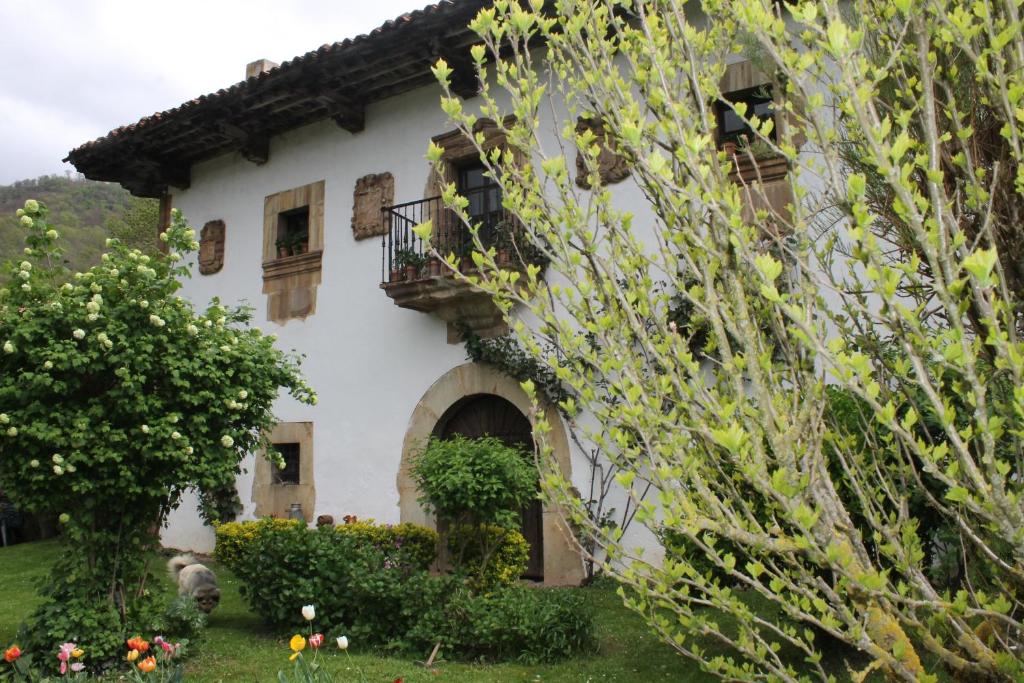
274	499
459	149
290	282
775	192
311	195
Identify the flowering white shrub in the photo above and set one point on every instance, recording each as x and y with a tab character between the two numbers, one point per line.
121	385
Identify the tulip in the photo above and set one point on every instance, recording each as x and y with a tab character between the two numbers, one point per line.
316	640
77	666
342	643
64	655
12	653
297	644
308	612
132	655
78	653
147	664
137	643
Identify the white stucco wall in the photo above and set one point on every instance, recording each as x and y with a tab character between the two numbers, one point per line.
369	361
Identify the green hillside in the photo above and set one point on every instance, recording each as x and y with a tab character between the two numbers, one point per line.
85	212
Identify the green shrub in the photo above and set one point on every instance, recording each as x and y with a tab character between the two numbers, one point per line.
506	564
511	623
405	543
381	597
119	396
181	620
234	538
477	487
474	481
358	588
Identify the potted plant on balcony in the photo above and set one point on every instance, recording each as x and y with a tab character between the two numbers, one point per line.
464	252
283	248
409	263
503	242
299	243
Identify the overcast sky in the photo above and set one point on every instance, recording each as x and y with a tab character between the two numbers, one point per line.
72	70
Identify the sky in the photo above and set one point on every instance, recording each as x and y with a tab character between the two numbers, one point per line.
72	70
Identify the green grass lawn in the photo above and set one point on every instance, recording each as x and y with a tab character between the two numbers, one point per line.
238	647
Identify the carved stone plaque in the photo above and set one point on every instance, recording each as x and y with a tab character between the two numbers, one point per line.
373	192
612	167
211	247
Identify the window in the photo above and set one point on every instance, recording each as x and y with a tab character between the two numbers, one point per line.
734	128
293	232
291	453
274	491
483	193
293	243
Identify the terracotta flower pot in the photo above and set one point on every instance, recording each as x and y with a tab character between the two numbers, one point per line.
411	272
282	252
433	267
396	275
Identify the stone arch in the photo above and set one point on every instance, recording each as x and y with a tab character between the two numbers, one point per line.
562	563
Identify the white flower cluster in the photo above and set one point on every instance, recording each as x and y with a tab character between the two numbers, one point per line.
8	347
226	441
156	320
192	329
79	333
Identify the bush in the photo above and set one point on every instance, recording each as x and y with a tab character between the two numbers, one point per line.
366	591
478	486
474	481
182	620
403	544
235	538
506	564
511	623
358	588
118	396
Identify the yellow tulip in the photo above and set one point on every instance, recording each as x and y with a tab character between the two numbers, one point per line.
133	655
77	653
297	644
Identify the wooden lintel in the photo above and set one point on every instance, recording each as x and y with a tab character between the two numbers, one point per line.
252	147
347	114
256	149
464	82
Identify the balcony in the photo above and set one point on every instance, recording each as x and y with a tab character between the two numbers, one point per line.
416	280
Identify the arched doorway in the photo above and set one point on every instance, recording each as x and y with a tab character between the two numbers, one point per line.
490	415
562	563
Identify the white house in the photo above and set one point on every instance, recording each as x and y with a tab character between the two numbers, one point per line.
304	179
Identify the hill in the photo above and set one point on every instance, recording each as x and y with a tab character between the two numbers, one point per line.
85	212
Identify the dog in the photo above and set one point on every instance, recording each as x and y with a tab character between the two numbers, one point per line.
195	580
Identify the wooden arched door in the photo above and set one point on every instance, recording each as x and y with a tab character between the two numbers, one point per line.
489	415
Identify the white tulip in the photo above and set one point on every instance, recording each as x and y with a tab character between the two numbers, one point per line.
342	643
308	612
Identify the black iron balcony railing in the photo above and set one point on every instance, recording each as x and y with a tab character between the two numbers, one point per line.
404	254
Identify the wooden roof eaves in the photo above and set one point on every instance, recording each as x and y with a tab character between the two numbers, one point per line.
209	125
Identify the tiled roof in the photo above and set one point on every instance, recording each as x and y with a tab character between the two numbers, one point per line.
335	81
